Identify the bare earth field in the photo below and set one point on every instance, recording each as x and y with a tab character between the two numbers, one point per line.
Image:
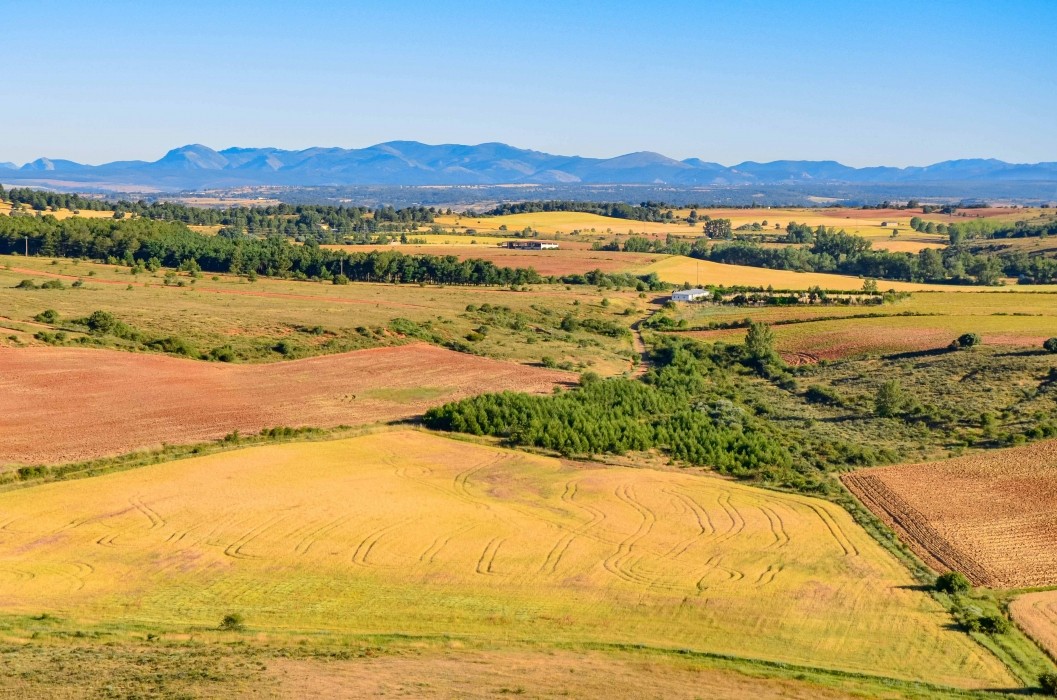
1036	613
69	404
564	261
992	516
405	533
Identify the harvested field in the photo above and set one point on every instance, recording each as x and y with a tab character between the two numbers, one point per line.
992	515
68	404
1036	613
553	222
408	533
837	339
678	269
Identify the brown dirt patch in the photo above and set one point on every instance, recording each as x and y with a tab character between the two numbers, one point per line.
67	404
565	261
554	674
992	516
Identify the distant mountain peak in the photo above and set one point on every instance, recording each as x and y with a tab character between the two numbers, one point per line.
196	166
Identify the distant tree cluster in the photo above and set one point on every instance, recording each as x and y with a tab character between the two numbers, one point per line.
646	211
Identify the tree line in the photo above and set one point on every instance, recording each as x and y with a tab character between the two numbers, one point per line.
171	244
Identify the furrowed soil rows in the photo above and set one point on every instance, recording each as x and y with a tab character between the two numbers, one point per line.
66	404
992	516
408	532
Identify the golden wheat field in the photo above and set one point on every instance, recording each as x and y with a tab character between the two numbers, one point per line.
1036	613
553	222
407	532
678	269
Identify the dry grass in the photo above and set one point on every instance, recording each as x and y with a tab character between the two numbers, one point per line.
992	515
253	317
1036	613
410	533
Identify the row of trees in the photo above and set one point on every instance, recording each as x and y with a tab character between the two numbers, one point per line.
323	222
646	211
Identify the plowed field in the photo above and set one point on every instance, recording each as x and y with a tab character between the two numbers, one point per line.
66	404
409	533
992	516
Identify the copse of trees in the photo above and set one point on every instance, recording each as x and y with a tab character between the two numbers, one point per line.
671	410
646	211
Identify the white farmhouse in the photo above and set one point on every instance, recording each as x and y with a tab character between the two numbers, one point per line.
690	294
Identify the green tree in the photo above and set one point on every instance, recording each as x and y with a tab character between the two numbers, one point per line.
759	344
953	582
889	399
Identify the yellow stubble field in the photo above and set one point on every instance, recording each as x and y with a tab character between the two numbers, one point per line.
410	533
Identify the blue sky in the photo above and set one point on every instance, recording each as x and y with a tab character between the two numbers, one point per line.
893	83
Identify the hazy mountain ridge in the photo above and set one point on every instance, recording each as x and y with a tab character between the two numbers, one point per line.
412	163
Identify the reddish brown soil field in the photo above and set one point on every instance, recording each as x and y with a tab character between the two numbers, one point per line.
992	516
565	261
67	404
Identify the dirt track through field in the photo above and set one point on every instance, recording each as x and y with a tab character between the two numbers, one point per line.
992	516
68	404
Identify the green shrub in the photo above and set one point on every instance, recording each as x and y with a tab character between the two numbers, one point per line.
967	340
26	284
1048	683
225	353
47	316
1050	345
233	622
953	582
101	322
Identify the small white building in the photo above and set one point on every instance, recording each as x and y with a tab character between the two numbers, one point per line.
529	245
690	294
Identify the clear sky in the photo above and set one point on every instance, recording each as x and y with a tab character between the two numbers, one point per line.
865	83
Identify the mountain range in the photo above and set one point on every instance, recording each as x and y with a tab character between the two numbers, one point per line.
410	163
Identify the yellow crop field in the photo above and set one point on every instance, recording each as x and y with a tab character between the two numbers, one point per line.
552	222
679	269
411	533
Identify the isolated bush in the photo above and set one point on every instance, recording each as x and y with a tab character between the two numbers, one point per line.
823	395
53	284
1048	683
101	322
967	340
549	362
233	622
225	353
26	284
1050	345
47	316
889	400
953	582
994	624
